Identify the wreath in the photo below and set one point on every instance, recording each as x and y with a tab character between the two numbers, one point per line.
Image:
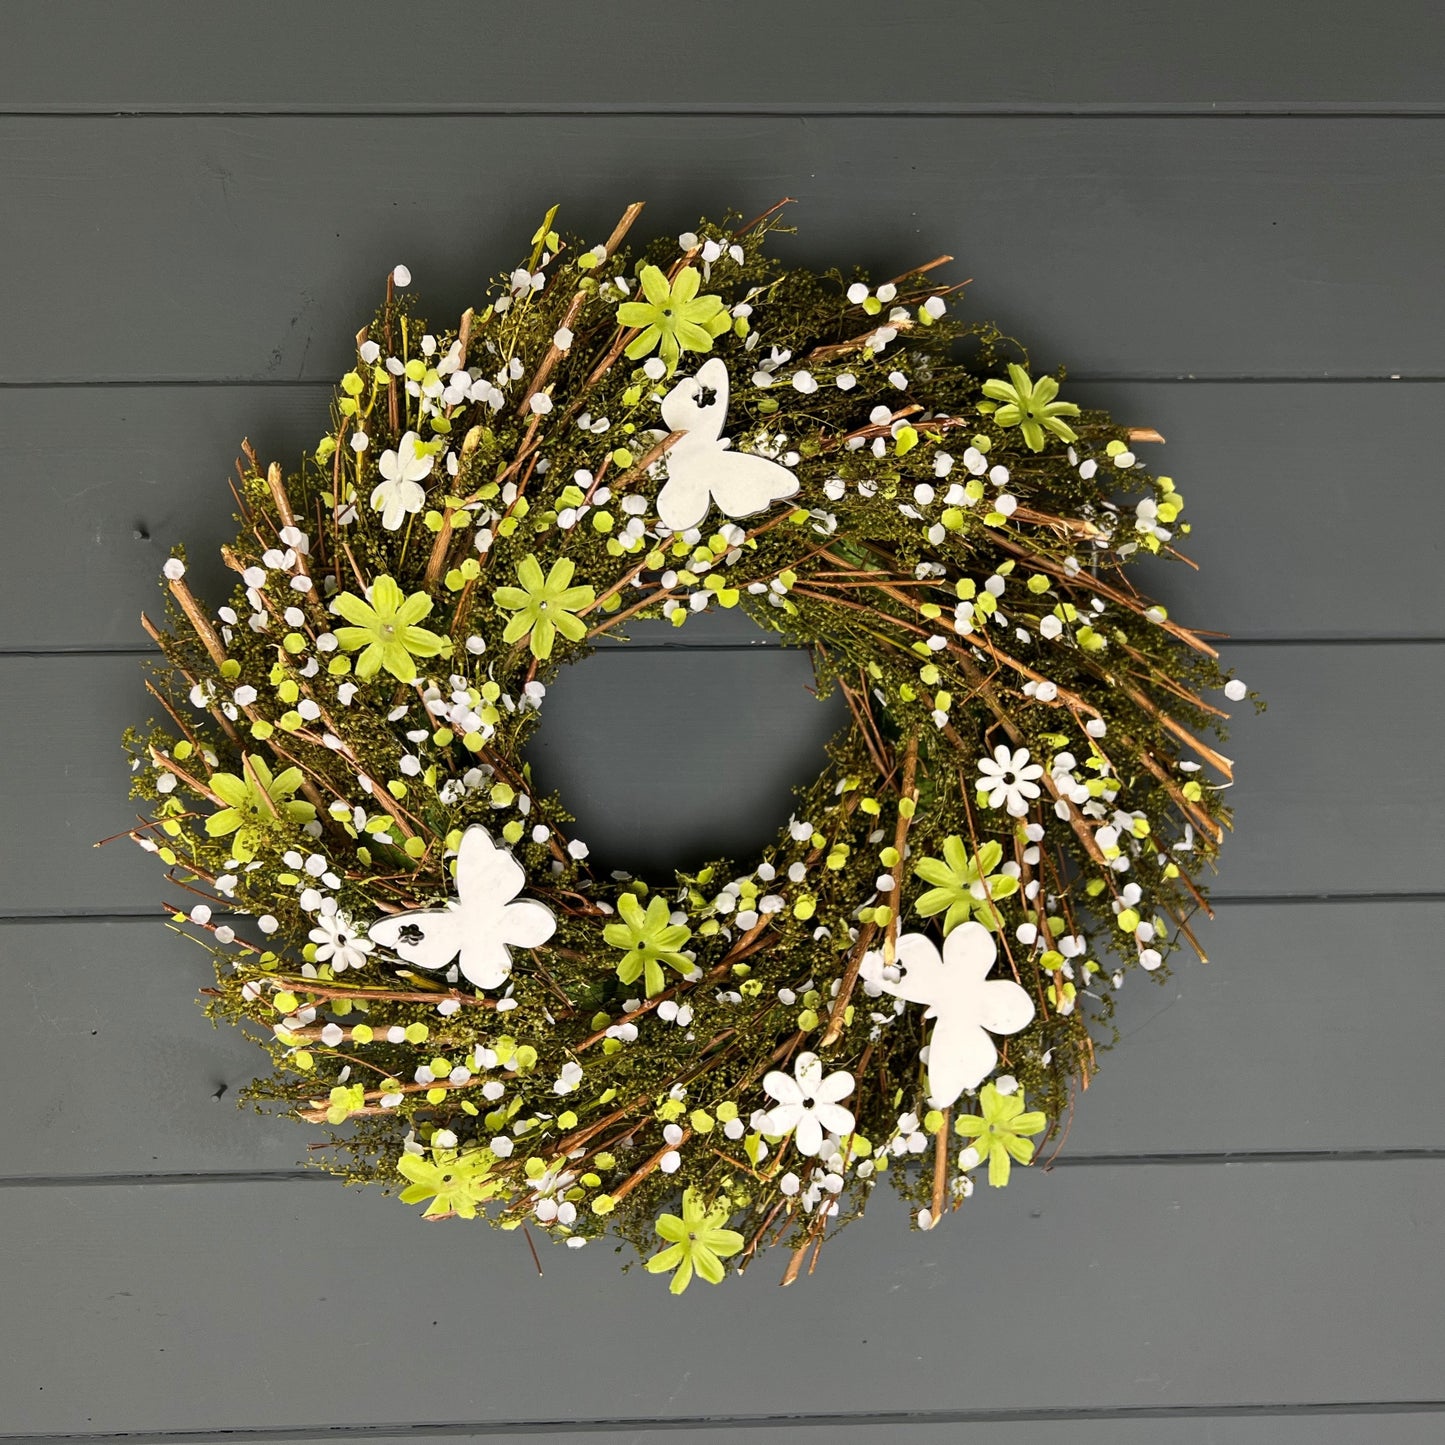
913	981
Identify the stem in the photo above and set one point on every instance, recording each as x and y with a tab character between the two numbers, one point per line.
940	1164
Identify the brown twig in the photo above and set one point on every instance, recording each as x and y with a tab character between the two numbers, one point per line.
646	1167
940	1164
200	623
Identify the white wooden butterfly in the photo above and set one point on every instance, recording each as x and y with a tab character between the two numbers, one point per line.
965	1004
700	466
481	925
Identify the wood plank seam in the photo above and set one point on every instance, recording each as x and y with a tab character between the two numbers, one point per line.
1020	1415
1211	1159
773	110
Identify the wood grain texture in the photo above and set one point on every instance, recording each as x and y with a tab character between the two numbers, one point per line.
1308	822
161	1309
249	249
1275	1427
87	55
1295	1007
1277	480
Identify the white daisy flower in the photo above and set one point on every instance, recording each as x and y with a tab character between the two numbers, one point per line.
338	941
808	1103
400	491
1009	780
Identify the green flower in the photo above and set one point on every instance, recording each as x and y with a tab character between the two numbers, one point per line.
253	802
344	1102
674	318
1030	406
698	1242
649	940
962	886
455	1183
387	630
544	606
1002	1131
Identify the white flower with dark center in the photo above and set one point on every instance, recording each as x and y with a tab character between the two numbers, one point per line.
1009	780
402	471
808	1103
337	940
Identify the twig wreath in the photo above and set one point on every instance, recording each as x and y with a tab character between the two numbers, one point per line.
910	982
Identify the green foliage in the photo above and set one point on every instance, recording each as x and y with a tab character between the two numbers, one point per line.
544	606
386	630
964	884
955	556
673	318
1003	1131
648	941
1030	406
698	1243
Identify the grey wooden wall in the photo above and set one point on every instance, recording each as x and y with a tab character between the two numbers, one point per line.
1227	217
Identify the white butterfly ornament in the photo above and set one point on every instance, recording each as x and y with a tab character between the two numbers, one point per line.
701	469
965	1004
481	925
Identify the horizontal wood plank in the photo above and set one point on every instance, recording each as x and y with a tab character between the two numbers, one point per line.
1183	1286
1284	1426
1271	474
1266	1050
1308	820
84	55
251	249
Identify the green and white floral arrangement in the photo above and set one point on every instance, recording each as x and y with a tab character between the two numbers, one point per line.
914	979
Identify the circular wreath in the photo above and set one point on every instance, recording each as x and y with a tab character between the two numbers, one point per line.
913	979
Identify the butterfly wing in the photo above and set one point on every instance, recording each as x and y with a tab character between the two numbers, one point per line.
923	979
1004	1007
429	939
960	1056
743	485
488	877
683	499
486	874
486	961
487	948
527	923
683	409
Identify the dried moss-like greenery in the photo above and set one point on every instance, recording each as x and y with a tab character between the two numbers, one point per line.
955	556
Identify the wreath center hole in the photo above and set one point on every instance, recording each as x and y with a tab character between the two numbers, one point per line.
675	750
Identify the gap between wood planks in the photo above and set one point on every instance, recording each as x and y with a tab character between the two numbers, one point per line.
766	642
1323	110
445	1430
1172	378
1206	1158
158	914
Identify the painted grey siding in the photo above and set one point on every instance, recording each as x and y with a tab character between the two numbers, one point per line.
1227	218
